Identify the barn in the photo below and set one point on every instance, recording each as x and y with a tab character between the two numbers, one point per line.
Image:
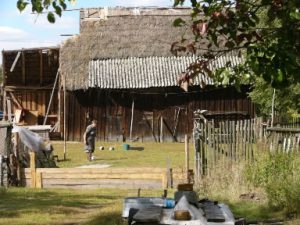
120	71
30	85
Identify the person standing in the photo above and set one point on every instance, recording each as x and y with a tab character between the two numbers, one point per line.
89	137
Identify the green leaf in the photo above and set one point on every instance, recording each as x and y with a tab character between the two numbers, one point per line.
21	5
295	15
178	22
51	17
63	4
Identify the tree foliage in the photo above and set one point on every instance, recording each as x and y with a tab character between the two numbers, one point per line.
287	99
265	32
51	7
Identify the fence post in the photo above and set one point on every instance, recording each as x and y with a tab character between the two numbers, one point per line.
33	169
187	157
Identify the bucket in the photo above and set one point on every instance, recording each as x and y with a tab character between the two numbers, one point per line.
126	147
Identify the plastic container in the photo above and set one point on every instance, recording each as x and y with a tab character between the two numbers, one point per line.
126	147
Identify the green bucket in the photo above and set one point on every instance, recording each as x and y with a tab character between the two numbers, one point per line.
126	147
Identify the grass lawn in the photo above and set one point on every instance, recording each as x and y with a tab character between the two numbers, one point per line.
152	155
24	206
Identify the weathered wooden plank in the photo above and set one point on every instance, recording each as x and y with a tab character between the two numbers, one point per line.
102	176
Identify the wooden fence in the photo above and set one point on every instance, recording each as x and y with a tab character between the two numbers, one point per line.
222	139
146	178
234	140
280	140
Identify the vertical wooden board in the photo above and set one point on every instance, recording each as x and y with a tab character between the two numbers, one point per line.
77	119
23	68
234	139
69	112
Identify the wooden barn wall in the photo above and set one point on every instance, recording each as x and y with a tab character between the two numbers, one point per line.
157	117
31	81
33	68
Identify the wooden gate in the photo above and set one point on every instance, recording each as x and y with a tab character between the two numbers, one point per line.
215	140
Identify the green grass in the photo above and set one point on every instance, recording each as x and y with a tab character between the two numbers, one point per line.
152	155
22	206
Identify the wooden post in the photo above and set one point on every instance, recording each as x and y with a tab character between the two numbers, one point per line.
164	180
59	105
51	97
41	67
4	105
161	129
23	68
32	169
131	120
17	159
187	157
273	106
39	180
65	138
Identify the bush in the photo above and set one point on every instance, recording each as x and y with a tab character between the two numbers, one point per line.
279	176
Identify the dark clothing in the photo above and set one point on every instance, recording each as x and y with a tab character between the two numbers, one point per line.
90	135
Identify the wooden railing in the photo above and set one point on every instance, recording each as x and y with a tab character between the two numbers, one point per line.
147	178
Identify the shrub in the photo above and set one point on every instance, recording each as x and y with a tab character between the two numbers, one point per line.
279	176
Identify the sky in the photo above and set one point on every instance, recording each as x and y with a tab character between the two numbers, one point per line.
27	30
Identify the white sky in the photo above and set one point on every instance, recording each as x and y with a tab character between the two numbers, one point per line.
26	30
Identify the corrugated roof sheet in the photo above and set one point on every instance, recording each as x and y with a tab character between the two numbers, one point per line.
147	72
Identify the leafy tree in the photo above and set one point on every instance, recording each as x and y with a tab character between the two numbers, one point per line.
38	6
287	100
271	49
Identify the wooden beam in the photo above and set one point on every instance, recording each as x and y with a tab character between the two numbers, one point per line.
102	176
149	125
39	180
15	62
65	118
170	131
4	106
16	88
51	97
131	120
41	67
187	157
32	169
161	129
15	101
23	68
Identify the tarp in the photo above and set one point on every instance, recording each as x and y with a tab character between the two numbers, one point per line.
31	140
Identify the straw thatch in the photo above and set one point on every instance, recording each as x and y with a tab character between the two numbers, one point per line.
118	33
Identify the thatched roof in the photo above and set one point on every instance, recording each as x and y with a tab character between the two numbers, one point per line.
120	34
117	33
